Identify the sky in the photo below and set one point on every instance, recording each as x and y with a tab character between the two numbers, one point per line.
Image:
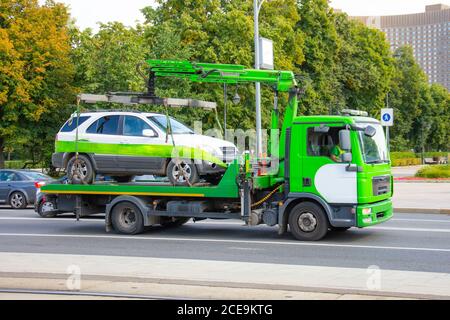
88	12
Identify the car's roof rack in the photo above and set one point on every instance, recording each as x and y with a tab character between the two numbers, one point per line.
133	98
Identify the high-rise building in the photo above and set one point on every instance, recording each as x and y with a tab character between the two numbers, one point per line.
428	33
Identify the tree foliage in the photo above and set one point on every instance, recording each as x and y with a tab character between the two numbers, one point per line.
35	74
340	63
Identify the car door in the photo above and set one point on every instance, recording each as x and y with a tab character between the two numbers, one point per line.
144	153
321	175
102	140
4	185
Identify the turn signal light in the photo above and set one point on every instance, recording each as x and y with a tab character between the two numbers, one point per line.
366	211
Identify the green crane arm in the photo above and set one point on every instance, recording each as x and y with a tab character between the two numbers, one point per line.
281	81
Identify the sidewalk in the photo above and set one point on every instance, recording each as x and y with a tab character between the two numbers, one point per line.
422	197
217	279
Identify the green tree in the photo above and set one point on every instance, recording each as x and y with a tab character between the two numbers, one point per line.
35	72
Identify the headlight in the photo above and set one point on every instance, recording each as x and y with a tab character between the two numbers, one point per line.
215	151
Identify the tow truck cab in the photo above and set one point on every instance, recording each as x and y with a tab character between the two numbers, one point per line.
355	192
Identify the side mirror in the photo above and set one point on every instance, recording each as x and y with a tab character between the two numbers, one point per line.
347	157
148	133
370	131
344	140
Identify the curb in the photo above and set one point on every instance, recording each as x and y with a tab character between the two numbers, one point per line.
422	210
220	284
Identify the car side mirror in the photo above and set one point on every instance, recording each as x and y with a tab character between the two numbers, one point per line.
344	140
347	157
148	133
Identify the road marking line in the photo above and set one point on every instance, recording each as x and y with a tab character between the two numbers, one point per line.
410	229
292	243
419	220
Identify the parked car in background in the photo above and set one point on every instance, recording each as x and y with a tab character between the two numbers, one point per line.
126	144
18	187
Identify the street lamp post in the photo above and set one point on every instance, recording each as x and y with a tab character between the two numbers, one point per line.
256	8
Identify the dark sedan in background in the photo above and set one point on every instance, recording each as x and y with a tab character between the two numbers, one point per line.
18	187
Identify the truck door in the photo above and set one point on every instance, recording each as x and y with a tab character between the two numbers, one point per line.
322	175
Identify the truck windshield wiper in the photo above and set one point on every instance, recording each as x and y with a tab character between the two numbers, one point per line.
375	161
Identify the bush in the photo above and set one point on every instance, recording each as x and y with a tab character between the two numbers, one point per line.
19	164
406	162
402	155
437	171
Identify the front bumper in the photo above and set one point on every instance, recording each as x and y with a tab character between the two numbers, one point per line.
379	212
58	160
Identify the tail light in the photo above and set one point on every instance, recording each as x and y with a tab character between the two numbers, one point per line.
39	184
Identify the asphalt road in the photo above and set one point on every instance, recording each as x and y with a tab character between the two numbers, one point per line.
410	242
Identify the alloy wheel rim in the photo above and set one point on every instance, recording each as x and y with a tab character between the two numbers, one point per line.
183	174
79	169
17	200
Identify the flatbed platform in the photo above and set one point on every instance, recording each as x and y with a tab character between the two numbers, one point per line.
227	188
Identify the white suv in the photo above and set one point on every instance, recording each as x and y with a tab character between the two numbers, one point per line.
124	144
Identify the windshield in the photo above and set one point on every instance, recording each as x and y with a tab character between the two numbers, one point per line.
177	127
374	149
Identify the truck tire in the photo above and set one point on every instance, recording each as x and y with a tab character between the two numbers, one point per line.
45	209
17	200
188	174
81	170
308	222
127	218
169	223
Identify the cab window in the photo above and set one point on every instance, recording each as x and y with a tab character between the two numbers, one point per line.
105	125
133	126
321	144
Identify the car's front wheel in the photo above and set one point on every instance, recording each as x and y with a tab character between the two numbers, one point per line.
80	170
17	200
182	172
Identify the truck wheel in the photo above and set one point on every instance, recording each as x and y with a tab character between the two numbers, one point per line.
126	218
17	200
80	171
169	223
46	209
308	222
182	173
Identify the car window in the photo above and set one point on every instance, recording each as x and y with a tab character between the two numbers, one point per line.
105	125
133	126
7	176
71	124
36	175
177	127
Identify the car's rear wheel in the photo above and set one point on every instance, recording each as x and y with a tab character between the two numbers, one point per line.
17	200
182	172
80	170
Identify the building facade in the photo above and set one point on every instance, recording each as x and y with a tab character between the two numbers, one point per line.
428	33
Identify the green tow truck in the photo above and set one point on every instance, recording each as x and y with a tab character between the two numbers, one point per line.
321	173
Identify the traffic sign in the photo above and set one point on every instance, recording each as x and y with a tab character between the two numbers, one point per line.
387	117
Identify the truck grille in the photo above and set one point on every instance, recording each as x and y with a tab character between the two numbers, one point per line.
381	185
229	154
